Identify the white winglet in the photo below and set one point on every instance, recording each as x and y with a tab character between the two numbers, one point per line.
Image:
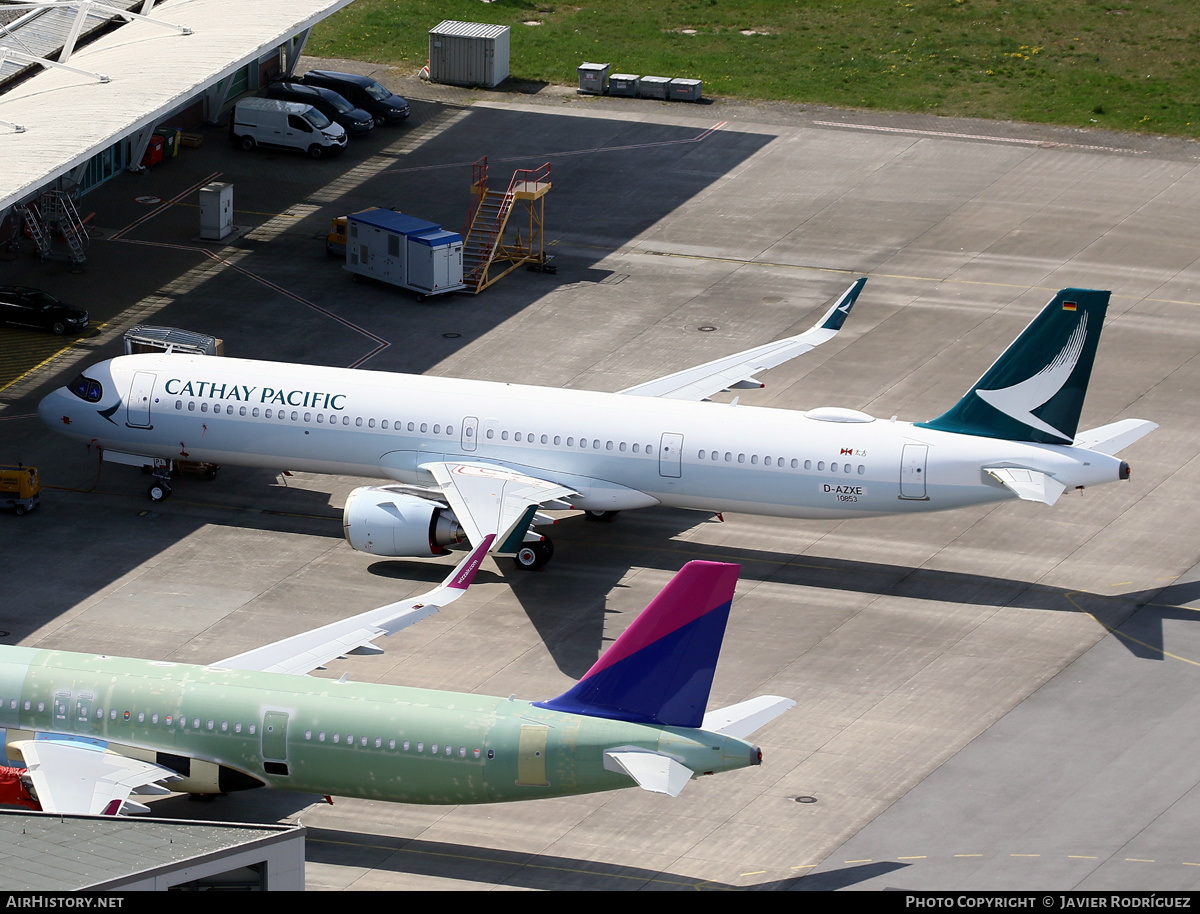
745	717
309	650
652	771
736	372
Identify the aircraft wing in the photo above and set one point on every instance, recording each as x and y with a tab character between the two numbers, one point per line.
310	650
489	499
736	372
78	777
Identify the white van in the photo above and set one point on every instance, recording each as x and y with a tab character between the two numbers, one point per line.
286	125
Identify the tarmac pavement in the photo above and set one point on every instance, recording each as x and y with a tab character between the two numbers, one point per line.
997	697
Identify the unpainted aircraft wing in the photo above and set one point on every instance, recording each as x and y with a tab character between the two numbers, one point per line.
736	372
489	499
78	777
311	650
1028	485
745	717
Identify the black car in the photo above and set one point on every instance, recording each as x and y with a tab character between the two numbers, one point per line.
34	308
329	103
362	91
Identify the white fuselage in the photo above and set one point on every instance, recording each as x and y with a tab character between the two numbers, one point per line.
617	451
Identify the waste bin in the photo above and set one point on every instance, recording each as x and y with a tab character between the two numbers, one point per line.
653	86
154	151
171	140
623	84
685	90
593	78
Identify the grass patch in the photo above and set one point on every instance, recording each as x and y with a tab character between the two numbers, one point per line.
1120	64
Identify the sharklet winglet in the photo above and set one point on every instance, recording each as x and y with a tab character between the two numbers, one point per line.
465	572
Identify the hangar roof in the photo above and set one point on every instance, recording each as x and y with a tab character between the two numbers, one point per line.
68	117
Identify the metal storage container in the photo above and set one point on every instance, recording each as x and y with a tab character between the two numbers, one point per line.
684	90
404	251
468	53
623	84
593	78
216	211
435	262
653	86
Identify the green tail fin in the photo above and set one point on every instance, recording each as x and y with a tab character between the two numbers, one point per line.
1035	390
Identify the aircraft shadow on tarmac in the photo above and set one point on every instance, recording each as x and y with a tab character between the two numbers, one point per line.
591	556
845	877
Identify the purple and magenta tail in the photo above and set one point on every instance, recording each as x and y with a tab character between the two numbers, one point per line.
660	670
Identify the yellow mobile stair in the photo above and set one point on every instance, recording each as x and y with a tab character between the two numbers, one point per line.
491	249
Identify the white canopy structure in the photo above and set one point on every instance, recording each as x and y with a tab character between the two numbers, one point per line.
162	60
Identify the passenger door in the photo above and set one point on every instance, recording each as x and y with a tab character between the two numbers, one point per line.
912	471
138	404
670	455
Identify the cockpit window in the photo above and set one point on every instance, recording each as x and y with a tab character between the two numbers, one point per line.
86	389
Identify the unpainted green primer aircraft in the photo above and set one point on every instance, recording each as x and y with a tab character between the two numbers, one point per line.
94	729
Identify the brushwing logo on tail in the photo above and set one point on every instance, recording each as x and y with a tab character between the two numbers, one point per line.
1019	400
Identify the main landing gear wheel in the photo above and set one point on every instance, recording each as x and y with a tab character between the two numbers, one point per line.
159	491
533	556
602	517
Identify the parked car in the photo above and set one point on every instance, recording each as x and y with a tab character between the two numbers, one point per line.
286	125
329	103
28	307
362	91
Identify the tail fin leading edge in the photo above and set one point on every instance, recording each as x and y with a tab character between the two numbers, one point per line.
660	670
1035	390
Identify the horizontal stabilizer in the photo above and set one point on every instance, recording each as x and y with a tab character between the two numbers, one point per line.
736	372
745	717
1116	436
82	778
1029	485
652	771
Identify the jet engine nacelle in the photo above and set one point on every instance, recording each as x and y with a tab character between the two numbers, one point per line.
380	521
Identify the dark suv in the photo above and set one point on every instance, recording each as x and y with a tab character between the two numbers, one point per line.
34	308
362	91
329	103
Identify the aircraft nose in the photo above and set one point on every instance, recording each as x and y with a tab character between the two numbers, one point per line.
53	410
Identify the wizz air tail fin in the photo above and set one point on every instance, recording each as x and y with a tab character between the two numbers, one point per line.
1035	390
660	670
